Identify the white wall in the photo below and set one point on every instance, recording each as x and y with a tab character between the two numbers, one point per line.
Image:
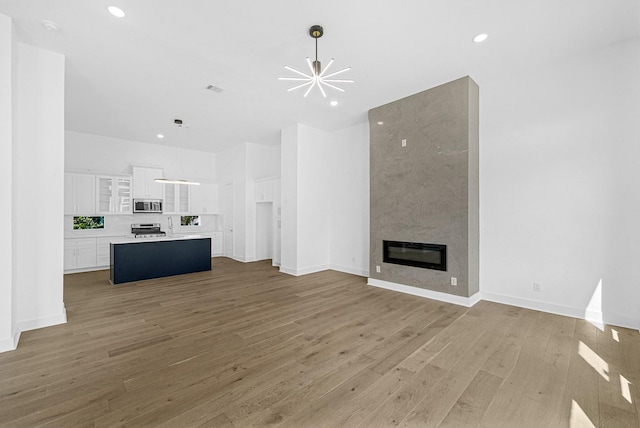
314	193
232	169
261	162
38	175
88	152
100	154
242	165
348	182
6	218
305	200
559	198
264	231
289	200
325	200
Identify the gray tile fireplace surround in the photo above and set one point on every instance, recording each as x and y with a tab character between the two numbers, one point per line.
427	191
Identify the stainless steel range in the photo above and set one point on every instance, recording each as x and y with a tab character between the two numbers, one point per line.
147	230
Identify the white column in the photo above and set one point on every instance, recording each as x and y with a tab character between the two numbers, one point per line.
38	176
6	136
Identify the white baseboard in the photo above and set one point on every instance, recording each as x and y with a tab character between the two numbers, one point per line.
49	321
429	294
287	270
596	318
89	269
622	321
245	259
536	305
11	343
16	338
303	271
353	271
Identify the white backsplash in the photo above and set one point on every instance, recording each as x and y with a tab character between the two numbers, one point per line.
120	225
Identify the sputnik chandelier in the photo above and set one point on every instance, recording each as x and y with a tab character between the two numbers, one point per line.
318	77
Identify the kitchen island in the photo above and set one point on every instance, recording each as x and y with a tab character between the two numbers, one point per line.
135	259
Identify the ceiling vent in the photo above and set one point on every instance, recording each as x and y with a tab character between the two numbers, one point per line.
214	88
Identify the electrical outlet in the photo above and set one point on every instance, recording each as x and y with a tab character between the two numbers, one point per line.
377	268
536	287
404	142
454	281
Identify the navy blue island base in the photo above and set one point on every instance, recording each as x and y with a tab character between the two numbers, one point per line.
135	261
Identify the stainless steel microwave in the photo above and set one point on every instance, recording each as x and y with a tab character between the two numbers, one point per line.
147	205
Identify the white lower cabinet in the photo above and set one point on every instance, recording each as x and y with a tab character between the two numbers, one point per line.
216	244
88	253
103	250
79	253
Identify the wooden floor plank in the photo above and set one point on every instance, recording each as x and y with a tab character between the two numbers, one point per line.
617	407
533	390
474	401
245	345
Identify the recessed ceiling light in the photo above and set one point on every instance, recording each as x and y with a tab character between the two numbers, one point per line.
334	103
160	136
50	25
116	11
480	38
381	123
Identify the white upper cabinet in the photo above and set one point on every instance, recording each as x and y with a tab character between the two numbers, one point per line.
264	191
205	199
144	186
176	198
79	194
113	195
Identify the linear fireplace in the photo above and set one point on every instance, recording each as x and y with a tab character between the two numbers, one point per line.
428	256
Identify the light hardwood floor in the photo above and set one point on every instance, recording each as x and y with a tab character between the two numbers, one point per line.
244	345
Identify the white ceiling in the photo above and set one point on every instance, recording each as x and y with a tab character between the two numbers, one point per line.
129	78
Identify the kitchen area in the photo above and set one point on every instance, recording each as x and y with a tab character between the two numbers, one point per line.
106	211
237	203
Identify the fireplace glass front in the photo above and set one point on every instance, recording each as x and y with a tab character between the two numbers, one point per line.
428	256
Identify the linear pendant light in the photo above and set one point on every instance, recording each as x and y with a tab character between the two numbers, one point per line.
176	181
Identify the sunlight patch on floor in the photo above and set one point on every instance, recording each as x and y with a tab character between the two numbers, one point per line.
579	418
614	335
625	390
594	360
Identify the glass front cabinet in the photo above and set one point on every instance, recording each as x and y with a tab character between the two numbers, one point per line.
113	194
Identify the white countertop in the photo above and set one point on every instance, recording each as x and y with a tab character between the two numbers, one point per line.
124	235
133	240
